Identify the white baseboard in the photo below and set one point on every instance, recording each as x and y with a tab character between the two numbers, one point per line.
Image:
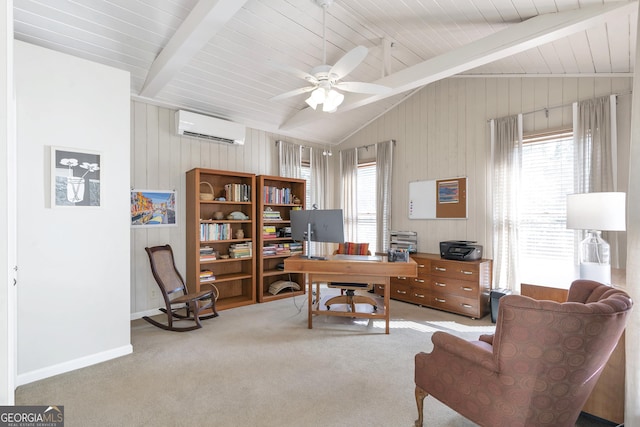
141	314
72	365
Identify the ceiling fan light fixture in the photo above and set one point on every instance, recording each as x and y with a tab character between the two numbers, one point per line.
332	101
311	103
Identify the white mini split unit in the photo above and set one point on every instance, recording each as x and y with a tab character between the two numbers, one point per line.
210	128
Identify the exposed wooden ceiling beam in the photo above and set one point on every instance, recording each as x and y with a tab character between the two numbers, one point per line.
517	38
204	21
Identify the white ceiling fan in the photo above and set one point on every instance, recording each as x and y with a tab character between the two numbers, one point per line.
325	79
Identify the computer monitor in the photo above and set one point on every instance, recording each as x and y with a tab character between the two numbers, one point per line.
317	225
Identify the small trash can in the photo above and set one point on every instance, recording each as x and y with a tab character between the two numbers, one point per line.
495	295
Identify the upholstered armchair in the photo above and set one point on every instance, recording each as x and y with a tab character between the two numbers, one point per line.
539	367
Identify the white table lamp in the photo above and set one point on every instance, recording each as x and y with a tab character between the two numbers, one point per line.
596	212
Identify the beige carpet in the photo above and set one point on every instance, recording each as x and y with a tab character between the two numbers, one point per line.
260	366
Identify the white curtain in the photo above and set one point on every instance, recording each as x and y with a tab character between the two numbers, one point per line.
290	159
506	144
349	189
384	165
595	147
319	183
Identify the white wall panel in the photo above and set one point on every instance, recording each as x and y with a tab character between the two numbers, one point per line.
73	298
159	160
443	131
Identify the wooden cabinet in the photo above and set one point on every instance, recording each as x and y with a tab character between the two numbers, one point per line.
220	235
460	287
275	201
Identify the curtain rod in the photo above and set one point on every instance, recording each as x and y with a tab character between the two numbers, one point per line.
546	109
370	145
361	146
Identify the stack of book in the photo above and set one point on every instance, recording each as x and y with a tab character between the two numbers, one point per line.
270	215
269	232
207	254
206	275
286	249
269	250
240	250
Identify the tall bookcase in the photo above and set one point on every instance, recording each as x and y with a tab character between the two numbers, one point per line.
219	204
277	196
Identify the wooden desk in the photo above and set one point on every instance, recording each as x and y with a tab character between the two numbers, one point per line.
607	398
352	269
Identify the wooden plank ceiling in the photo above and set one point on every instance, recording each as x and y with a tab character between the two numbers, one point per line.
228	58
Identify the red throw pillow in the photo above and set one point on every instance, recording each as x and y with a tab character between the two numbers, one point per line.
350	248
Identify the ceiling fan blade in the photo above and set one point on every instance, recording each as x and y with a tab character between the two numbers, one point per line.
361	87
294	71
348	62
291	93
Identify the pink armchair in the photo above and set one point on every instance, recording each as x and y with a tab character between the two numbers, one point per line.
539	367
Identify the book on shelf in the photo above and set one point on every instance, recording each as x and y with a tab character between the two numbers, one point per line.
269	232
269	250
205	258
237	192
206	275
277	195
271	215
240	250
215	232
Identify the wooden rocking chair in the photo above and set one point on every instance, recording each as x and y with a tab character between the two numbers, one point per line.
170	281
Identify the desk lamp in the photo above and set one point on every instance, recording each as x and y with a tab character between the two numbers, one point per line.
596	212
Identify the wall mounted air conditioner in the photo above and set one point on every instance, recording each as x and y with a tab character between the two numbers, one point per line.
210	128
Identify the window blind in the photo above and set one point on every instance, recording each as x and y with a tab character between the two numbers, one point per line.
366	205
547	178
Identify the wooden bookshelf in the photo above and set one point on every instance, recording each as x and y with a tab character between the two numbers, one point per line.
209	225
275	201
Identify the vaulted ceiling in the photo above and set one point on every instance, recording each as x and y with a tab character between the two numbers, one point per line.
228	58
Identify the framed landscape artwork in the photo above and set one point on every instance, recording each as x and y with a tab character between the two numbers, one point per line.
153	208
75	177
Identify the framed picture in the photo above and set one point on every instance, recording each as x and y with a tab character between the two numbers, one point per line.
75	177
448	191
153	208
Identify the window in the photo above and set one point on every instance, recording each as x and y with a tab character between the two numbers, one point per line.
547	178
366	205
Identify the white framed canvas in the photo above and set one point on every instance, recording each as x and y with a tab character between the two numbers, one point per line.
153	208
75	177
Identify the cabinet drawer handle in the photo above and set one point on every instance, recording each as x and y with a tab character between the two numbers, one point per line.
466	272
401	292
418	295
401	278
466	305
440	268
465	288
420	265
440	300
419	280
442	285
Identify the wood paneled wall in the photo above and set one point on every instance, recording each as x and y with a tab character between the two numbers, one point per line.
440	132
160	158
443	132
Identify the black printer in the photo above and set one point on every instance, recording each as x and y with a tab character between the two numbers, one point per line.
460	250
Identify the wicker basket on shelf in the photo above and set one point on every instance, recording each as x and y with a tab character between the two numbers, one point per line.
206	196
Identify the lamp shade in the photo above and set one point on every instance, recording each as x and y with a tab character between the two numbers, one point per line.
603	211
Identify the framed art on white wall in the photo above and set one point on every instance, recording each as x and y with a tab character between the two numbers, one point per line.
153	208
75	177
